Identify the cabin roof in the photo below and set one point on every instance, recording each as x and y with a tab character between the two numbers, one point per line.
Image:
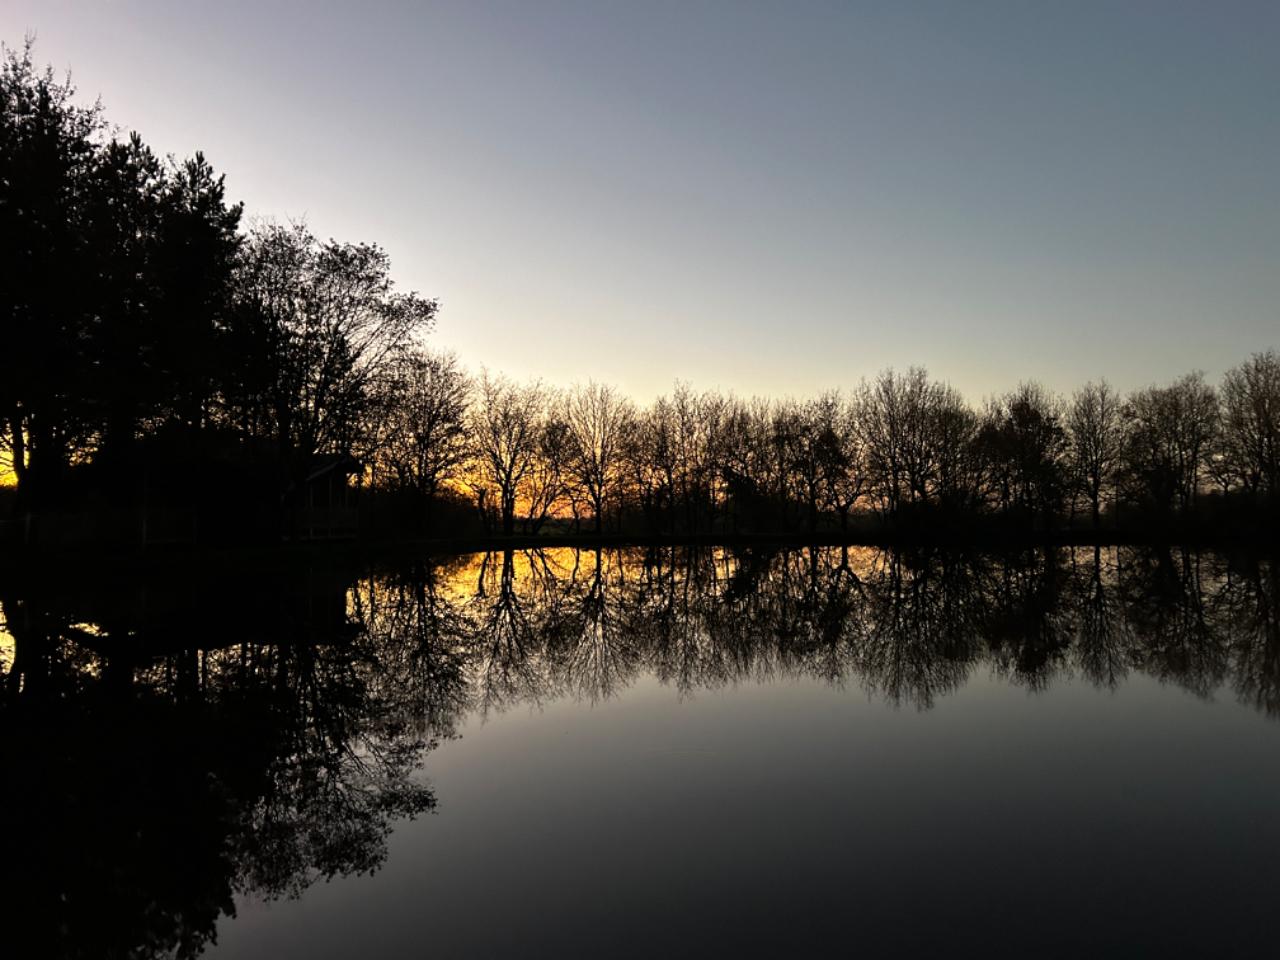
333	462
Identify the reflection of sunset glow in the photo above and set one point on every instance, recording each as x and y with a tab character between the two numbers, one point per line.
465	577
525	626
8	648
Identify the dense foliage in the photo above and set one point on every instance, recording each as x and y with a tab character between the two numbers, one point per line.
140	322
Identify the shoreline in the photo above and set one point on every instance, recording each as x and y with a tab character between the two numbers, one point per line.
253	556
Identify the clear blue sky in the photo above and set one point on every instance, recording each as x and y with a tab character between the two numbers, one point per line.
772	198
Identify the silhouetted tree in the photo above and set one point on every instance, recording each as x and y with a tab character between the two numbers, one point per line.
890	415
547	482
1096	434
126	201
424	442
598	420
116	282
197	254
1250	442
650	449
320	324
840	453
914	433
48	154
802	455
696	418
504	426
1023	444
1169	435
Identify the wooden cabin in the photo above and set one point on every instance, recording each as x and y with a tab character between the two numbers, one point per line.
327	507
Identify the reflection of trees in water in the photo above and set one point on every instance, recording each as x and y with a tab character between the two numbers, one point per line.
341	756
159	779
506	664
418	639
1169	601
674	619
1248	603
1104	641
920	629
590	650
250	741
1029	630
907	626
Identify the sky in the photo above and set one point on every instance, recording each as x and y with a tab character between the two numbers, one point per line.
765	198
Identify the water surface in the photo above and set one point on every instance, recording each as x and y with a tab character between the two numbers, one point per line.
630	753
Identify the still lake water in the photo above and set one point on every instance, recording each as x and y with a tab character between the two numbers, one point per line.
640	753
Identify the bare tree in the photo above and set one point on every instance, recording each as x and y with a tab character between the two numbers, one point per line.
424	441
504	426
696	418
547	482
958	470
598	419
1169	437
1096	433
889	416
747	455
914	434
1250	445
1022	445
651	459
841	453
794	437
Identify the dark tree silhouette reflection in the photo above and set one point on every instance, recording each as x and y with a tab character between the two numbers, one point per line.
1249	605
1172	610
1104	649
150	789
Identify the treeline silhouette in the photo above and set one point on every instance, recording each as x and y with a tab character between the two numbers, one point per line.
195	380
183	741
899	453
